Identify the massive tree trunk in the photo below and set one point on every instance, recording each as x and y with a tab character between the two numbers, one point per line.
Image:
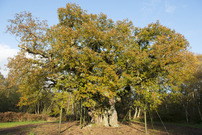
105	117
113	118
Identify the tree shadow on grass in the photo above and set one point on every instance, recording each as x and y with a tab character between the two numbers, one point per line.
69	127
130	125
18	130
172	129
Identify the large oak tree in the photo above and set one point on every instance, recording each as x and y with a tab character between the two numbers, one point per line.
96	59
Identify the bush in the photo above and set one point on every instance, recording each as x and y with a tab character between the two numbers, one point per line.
16	117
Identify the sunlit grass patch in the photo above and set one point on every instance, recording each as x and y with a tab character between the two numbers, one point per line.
13	124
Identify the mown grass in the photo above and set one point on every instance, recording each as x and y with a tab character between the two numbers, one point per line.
14	124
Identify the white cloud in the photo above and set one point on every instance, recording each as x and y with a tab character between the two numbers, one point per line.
150	6
169	8
5	53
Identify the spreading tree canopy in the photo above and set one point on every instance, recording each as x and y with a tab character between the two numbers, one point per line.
96	59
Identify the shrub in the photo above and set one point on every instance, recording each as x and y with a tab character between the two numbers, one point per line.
15	117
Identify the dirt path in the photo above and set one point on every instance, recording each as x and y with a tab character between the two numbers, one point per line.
73	128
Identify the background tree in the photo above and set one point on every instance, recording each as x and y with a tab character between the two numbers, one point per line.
8	95
181	105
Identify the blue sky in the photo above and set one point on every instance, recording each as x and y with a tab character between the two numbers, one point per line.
185	16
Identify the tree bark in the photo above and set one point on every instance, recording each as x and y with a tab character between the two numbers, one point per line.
70	95
60	117
73	111
145	120
107	117
38	108
84	117
129	114
135	115
113	119
139	111
151	117
98	120
81	116
186	113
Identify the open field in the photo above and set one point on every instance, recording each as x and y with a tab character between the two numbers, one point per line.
73	128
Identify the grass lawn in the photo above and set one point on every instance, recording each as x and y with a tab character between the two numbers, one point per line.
13	124
136	128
